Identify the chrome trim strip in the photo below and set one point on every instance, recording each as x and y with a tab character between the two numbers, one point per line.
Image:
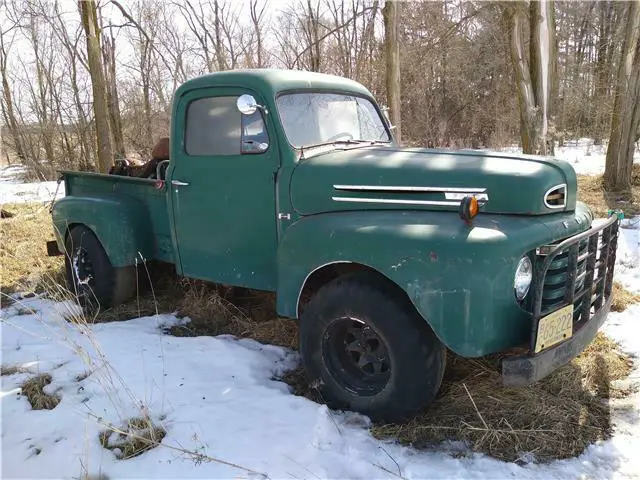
397	201
395	188
564	203
307	278
461	195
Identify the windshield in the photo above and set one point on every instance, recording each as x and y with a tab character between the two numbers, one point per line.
314	118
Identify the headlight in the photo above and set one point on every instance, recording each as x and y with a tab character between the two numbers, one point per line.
522	280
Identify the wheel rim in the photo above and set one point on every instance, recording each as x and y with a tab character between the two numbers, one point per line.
83	271
356	356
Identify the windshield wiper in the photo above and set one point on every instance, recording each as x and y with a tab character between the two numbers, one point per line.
350	141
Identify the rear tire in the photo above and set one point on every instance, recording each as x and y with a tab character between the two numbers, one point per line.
366	349
90	275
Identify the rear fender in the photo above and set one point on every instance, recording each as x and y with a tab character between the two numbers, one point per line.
122	224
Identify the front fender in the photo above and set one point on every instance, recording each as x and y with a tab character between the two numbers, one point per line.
122	224
459	278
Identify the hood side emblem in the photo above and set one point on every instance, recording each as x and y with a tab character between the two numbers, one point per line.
566	224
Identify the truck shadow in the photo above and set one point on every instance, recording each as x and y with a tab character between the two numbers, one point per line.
554	419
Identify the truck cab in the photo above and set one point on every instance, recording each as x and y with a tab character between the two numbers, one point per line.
292	182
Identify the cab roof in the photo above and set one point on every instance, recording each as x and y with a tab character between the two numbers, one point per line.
270	81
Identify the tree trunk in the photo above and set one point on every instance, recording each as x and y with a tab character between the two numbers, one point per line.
392	56
94	54
543	66
625	118
10	117
536	81
222	61
113	100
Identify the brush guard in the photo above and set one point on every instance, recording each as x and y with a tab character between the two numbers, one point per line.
584	263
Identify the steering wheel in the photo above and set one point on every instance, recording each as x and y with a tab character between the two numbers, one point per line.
338	135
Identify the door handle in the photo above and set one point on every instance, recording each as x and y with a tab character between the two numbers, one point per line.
178	183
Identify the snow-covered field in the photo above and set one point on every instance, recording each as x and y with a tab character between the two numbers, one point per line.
12	190
585	157
216	396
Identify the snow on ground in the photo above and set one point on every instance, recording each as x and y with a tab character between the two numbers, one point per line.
585	157
628	255
13	191
215	396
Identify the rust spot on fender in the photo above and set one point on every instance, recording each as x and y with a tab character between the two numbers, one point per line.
433	256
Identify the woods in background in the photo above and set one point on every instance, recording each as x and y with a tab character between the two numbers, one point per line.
84	82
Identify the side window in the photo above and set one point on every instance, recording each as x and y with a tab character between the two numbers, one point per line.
215	127
254	133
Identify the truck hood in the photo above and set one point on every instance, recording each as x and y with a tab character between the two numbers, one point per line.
386	177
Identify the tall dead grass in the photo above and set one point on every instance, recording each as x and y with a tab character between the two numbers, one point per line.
215	310
24	263
557	417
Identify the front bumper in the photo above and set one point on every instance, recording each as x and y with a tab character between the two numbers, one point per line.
584	263
527	369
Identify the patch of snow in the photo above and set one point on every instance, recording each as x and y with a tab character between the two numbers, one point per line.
29	192
585	157
628	255
217	396
13	190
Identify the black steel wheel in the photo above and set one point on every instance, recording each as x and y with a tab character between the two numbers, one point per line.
90	276
355	351
366	349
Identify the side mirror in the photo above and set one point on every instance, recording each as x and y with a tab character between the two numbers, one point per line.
246	104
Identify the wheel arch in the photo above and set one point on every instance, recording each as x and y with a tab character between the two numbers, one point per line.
326	273
122	226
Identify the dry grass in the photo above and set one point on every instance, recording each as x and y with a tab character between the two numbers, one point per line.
622	298
23	253
591	191
33	389
133	439
556	418
215	310
11	370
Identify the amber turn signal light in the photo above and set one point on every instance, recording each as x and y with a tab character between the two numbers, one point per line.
468	208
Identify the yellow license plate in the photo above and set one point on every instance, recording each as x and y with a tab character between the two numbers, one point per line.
554	328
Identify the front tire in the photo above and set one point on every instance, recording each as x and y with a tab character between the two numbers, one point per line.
90	275
366	349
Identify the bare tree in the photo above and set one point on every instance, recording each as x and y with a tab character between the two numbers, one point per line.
213	24
91	27
535	74
625	119
257	14
8	112
392	55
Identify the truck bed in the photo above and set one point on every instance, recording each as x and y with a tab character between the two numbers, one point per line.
133	190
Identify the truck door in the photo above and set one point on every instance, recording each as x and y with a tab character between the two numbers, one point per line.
223	190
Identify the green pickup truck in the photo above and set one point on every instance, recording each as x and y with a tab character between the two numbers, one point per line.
292	182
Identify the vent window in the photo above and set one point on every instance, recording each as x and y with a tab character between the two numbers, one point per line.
556	197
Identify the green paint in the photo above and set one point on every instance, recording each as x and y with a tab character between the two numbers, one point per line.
224	226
